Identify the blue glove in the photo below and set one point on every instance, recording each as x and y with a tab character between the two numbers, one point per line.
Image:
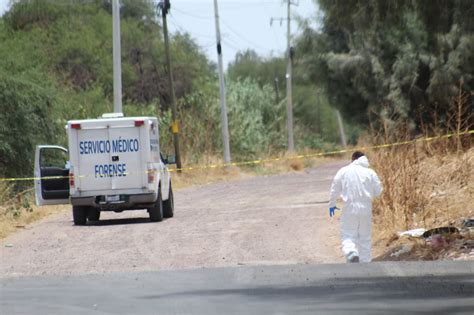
331	211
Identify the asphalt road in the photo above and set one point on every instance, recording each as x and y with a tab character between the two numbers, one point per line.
375	288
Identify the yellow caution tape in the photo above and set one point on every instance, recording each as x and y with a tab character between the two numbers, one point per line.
320	154
260	161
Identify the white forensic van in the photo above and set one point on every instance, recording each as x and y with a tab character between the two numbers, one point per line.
113	164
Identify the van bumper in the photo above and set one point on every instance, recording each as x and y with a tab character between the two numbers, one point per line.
126	202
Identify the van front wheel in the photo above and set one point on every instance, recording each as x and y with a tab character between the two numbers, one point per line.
168	205
79	215
156	212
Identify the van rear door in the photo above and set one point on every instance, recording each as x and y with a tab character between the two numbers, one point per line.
126	155
109	155
93	154
51	175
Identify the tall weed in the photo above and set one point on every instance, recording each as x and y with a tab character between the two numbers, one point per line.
426	183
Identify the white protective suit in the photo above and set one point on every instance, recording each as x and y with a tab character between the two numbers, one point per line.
358	185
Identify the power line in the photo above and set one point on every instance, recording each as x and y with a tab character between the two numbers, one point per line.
64	4
239	3
227	25
227	37
275	37
233	44
244	38
207	45
180	28
193	15
239	6
226	41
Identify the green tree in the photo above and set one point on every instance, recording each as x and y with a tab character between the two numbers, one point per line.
254	120
402	59
26	113
264	71
314	118
56	56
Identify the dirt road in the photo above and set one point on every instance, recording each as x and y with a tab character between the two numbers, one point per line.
279	219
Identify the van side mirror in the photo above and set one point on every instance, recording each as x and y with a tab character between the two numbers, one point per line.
170	159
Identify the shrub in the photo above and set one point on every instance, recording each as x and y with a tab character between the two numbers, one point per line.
27	119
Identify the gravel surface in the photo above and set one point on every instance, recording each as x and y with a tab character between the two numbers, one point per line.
264	220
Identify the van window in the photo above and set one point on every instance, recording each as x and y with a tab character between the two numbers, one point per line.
53	158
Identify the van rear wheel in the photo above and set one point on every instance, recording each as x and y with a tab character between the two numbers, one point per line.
168	205
79	215
156	212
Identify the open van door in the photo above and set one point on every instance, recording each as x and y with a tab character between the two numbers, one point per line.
51	175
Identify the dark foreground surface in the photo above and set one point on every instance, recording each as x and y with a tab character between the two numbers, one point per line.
376	288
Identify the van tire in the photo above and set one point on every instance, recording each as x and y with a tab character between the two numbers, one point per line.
93	214
156	212
79	215
168	205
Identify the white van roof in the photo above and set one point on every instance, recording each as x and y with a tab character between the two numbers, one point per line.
112	115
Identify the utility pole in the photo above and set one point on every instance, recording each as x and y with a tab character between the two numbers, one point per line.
289	97
341	129
165	6
318	113
225	128
117	57
289	107
277	91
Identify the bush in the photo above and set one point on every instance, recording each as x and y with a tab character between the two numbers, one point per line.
254	122
27	119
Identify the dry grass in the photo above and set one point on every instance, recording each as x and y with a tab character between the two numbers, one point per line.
9	223
18	211
426	185
214	171
287	162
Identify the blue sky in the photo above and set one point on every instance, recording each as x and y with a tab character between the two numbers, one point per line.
244	24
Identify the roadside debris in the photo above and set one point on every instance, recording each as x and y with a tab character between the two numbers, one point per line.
404	250
468	226
445	230
412	233
440	243
440	237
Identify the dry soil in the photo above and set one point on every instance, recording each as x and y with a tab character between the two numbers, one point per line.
280	219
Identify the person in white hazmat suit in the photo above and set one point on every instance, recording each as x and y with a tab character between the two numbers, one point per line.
357	184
